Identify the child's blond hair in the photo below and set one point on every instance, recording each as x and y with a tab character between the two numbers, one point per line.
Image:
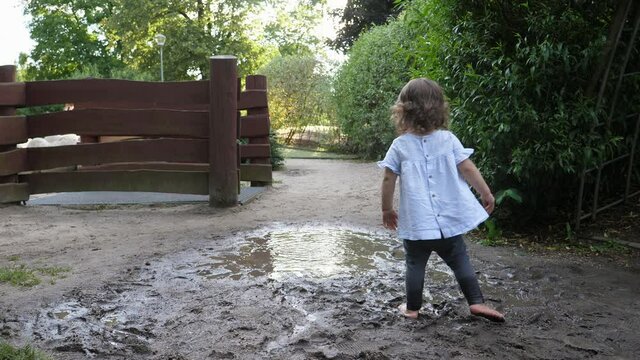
420	108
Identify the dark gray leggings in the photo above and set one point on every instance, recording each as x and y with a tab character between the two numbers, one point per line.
454	252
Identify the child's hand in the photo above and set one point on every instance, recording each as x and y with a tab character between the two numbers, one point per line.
489	202
390	219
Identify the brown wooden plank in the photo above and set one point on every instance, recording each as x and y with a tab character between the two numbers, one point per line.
254	126
259	82
256	172
238	116
118	93
169	150
12	94
13	162
114	122
121	105
252	99
14	192
253	151
248	172
9	179
13	130
162	166
151	181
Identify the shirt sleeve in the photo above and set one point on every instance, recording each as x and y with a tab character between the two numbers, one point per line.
391	160
460	152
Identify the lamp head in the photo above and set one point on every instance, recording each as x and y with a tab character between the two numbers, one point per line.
160	39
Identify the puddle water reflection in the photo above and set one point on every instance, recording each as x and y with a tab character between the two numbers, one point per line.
315	252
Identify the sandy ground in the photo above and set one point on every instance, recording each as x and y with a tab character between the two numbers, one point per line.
303	272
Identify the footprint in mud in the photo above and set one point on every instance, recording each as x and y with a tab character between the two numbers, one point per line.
73	327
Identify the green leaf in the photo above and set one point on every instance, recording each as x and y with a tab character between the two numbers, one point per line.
512	194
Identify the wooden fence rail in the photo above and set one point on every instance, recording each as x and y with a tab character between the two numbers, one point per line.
187	135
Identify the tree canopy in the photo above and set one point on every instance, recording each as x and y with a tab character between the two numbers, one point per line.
68	35
359	15
292	30
107	35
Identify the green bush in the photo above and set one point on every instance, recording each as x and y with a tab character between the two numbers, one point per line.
516	74
368	84
277	157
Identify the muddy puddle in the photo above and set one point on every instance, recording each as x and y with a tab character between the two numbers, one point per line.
307	292
305	252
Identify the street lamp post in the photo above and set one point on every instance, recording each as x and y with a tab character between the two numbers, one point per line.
160	39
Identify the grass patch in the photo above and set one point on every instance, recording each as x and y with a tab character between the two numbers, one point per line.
556	242
8	352
21	275
491	241
608	247
318	153
14	258
54	271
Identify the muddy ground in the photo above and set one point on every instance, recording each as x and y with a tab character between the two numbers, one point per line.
303	272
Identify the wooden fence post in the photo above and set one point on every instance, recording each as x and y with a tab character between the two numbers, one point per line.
7	75
10	191
223	131
258	82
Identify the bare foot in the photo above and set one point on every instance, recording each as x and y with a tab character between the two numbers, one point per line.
486	312
411	314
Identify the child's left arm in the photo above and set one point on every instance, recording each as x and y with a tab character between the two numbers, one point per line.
472	175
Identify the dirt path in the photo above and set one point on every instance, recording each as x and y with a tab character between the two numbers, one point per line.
304	271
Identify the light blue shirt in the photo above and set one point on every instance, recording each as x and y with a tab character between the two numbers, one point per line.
434	197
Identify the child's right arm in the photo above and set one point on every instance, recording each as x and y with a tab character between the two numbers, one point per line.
472	175
389	216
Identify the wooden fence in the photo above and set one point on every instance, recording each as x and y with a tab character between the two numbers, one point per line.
188	133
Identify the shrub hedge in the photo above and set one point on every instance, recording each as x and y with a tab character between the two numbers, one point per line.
515	74
367	85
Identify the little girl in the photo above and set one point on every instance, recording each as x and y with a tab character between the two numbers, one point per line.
436	205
